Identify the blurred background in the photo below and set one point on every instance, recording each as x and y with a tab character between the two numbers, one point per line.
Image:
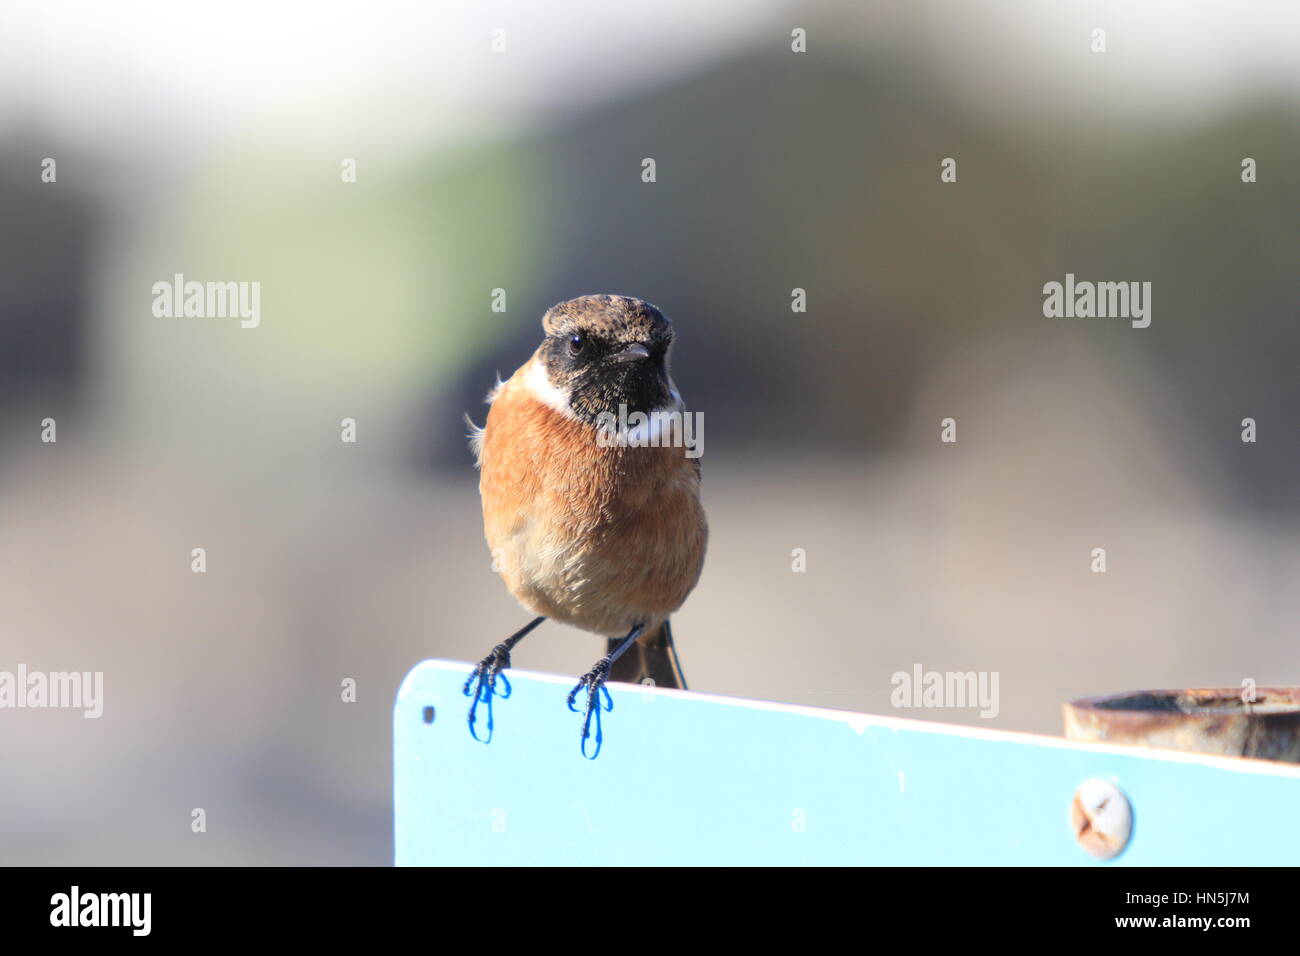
208	139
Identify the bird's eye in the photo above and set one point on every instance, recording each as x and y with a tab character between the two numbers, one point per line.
577	342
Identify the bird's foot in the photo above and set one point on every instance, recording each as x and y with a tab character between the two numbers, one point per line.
594	681
482	685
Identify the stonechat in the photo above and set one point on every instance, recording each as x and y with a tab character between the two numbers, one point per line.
591	521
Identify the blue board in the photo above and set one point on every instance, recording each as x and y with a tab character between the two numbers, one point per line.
686	778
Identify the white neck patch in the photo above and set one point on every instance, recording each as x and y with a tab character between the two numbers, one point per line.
538	384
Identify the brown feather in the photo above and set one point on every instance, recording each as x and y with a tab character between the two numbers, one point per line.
601	538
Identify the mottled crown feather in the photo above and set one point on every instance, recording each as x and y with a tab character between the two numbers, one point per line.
614	317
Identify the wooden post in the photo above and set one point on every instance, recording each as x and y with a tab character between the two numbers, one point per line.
1262	723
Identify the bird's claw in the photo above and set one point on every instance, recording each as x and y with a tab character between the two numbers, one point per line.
594	681
482	686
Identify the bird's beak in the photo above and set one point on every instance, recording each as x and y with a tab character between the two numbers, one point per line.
631	354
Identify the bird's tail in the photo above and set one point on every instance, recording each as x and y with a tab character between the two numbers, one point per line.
653	658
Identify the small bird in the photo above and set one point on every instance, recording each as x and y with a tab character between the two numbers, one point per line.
590	524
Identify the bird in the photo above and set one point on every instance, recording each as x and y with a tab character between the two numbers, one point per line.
592	512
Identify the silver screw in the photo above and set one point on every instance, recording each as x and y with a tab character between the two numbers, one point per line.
1101	818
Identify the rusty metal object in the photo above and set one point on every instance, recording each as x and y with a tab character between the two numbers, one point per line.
1222	721
1101	818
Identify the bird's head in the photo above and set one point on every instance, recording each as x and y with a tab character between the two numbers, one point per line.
603	351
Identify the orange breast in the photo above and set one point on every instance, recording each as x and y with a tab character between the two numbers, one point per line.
602	538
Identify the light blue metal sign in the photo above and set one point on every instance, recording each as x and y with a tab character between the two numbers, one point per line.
687	778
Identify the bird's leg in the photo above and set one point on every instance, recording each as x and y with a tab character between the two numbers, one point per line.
482	681
594	681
